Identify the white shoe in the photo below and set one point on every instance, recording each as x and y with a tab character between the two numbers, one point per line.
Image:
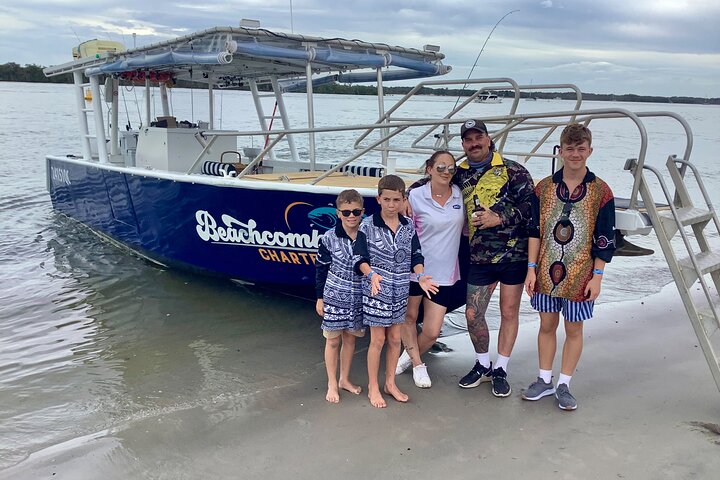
420	375
404	362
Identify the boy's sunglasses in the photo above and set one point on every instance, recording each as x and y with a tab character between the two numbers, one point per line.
443	168
565	216
356	212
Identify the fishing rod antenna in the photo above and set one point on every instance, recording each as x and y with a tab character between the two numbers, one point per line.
481	51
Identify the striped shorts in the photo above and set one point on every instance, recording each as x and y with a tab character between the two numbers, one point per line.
572	311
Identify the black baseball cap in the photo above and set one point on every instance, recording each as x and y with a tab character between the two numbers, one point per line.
478	125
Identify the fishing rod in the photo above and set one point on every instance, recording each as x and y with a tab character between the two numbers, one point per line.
481	51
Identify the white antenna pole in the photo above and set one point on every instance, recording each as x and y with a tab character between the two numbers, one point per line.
292	28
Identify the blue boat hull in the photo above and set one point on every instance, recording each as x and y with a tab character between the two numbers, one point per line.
261	236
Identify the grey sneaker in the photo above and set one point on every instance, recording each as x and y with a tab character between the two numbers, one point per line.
565	399
538	389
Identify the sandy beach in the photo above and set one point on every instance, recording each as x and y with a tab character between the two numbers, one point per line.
648	409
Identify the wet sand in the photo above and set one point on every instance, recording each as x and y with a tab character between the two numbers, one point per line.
647	410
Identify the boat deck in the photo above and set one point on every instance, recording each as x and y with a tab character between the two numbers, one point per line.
333	180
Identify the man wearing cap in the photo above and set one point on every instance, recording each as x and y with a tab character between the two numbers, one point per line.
497	193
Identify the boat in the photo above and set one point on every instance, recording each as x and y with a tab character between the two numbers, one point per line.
488	97
187	194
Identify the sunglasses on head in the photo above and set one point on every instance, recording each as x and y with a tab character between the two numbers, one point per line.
445	168
565	216
356	212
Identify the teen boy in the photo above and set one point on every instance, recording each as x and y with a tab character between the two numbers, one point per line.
571	239
339	294
389	251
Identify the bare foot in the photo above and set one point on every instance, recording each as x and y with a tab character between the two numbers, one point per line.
396	393
332	396
350	387
376	399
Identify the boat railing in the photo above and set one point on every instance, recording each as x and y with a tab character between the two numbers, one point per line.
545	122
484	85
549	121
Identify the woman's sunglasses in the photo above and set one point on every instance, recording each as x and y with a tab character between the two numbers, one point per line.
445	168
356	212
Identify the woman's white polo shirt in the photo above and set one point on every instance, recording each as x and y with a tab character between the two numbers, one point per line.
439	228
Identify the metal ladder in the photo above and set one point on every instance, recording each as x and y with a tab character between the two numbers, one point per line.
692	265
281	114
84	111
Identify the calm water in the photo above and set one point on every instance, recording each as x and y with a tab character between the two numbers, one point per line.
92	338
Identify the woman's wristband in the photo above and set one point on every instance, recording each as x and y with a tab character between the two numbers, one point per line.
418	275
369	275
532	265
597	271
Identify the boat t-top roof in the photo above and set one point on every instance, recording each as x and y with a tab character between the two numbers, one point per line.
227	56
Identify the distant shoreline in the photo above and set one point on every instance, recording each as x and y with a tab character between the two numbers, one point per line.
12	72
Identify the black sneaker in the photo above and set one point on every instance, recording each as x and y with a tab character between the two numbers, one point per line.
500	386
476	376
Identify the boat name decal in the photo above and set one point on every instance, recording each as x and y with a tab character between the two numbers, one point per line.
236	232
60	175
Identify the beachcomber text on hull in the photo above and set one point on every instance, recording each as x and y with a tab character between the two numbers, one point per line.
188	194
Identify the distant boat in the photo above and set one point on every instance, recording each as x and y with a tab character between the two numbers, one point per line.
557	98
531	99
488	97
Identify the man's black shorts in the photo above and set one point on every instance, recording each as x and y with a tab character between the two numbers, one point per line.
508	273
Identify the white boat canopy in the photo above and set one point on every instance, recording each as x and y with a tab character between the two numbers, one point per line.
229	56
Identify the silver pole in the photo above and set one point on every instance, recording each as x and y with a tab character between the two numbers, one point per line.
80	104
311	115
211	105
114	127
147	101
381	114
98	114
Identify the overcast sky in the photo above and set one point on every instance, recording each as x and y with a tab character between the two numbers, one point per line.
647	47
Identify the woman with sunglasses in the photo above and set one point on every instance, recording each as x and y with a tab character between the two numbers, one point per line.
439	217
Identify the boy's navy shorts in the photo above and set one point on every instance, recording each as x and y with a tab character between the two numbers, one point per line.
572	311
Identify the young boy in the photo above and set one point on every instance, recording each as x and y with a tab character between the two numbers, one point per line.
572	237
389	251
339	293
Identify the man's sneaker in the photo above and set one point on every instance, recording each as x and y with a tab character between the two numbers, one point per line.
404	362
565	399
420	376
500	386
476	376
538	389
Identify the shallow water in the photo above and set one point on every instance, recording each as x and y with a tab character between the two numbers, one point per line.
92	338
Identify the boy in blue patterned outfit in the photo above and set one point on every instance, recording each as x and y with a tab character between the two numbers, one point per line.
339	294
389	251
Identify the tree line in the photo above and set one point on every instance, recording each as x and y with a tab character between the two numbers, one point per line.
12	72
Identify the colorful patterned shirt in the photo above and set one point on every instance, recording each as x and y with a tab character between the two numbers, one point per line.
574	228
337	282
393	256
506	188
